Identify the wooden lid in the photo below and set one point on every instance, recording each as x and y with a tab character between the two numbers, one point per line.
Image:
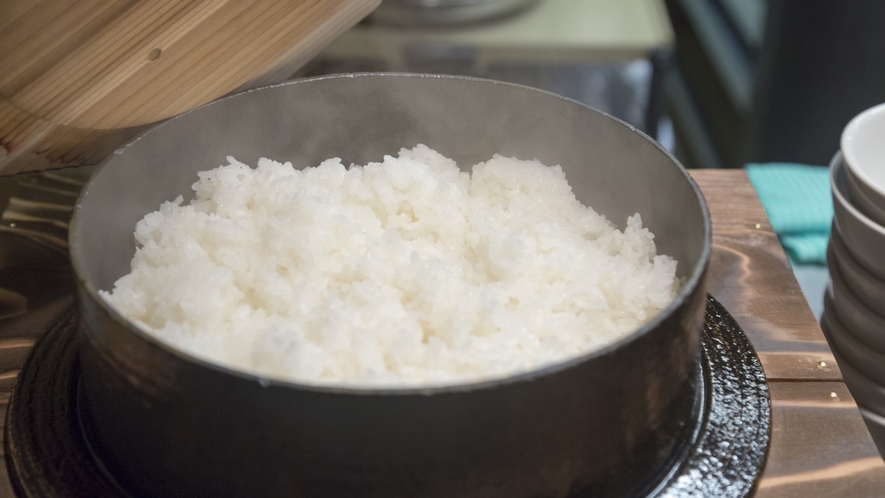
80	77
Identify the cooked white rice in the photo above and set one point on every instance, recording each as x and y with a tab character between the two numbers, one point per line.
405	272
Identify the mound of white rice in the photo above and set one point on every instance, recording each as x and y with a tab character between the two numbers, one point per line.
400	273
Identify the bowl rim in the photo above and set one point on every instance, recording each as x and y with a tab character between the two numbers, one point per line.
694	279
871	416
848	143
857	193
832	305
845	258
828	323
868	385
837	168
858	308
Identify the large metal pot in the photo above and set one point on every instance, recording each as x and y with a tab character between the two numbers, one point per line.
167	424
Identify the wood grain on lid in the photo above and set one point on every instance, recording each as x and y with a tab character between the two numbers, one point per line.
74	71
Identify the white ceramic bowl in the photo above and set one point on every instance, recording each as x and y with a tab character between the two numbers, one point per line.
863	143
866	359
864	324
866	392
863	284
863	237
860	200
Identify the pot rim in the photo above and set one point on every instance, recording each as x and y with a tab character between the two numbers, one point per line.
688	288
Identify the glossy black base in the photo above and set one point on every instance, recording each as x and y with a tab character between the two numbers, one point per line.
722	451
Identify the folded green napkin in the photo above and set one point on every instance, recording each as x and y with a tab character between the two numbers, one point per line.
797	199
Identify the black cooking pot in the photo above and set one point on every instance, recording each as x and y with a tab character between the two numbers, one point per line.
168	424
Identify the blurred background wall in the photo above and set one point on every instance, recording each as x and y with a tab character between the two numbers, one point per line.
776	80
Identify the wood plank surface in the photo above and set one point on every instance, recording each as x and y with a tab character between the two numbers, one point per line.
752	277
819	445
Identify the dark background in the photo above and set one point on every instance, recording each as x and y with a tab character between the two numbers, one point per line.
777	80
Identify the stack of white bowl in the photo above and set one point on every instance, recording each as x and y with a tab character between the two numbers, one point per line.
854	306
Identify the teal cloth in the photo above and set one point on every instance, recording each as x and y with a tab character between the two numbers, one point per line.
797	199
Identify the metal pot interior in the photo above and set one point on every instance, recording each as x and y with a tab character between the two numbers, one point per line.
611	166
580	419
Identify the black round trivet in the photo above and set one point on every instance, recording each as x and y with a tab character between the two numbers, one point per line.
731	446
48	456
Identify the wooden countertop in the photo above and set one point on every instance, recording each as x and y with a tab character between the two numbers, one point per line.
819	445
